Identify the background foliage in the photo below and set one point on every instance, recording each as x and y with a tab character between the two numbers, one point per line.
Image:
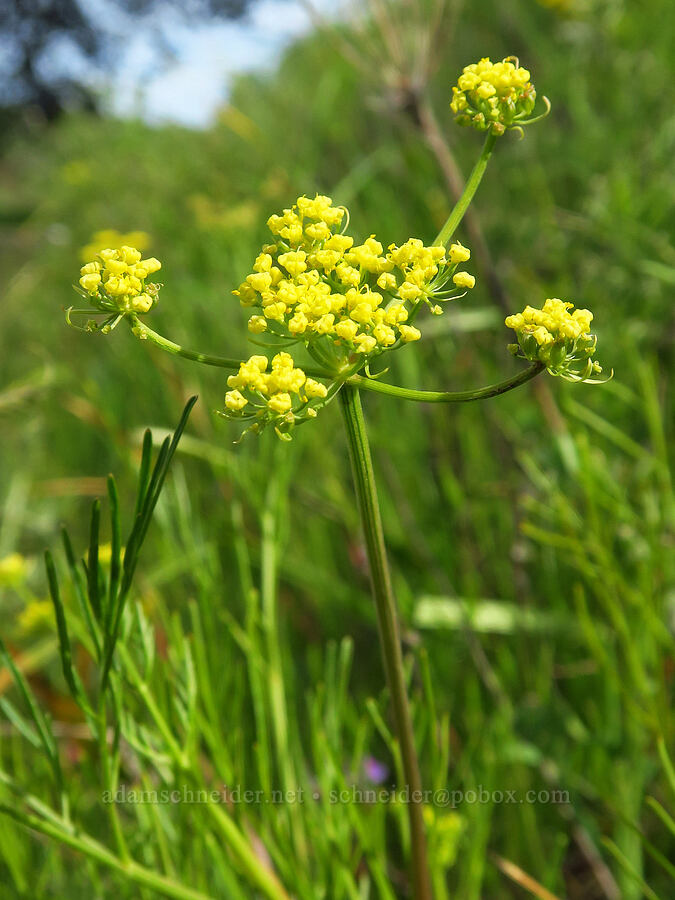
531	536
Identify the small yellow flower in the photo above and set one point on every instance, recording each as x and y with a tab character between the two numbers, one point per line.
346	330
315	388
263	263
464	280
384	335
130	255
235	400
294	261
91	282
115	267
458	253
280	403
409	333
365	343
259	281
142	303
257	324
387	281
409	291
151	265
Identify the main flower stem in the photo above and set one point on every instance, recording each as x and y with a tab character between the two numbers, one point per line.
470	189
387	616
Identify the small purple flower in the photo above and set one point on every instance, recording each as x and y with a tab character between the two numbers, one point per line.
375	770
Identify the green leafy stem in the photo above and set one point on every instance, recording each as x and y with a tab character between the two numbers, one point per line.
143	332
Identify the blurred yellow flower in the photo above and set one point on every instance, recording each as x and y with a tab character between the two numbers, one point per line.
13	569
109	238
36	614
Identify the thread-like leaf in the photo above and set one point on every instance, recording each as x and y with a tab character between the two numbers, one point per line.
116	549
19	722
144	471
36	713
81	592
92	560
138	532
667	763
61	627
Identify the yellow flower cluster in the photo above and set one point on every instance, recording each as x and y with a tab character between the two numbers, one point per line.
558	336
100	240
314	283
115	280
281	393
493	96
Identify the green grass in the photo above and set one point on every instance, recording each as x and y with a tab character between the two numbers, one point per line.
531	536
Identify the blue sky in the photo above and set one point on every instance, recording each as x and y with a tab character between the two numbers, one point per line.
189	86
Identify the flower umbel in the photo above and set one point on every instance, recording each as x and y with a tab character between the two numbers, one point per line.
558	336
280	394
115	283
313	285
495	96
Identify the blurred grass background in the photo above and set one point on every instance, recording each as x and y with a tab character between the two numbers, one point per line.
530	537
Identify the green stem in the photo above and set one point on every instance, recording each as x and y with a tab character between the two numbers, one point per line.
91	848
492	390
387	615
141	330
109	779
470	189
269	564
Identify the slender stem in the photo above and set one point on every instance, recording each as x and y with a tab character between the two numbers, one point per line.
142	331
433	135
269	564
134	872
470	189
109	780
492	390
387	615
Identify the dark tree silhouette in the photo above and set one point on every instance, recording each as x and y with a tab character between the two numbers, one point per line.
29	30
